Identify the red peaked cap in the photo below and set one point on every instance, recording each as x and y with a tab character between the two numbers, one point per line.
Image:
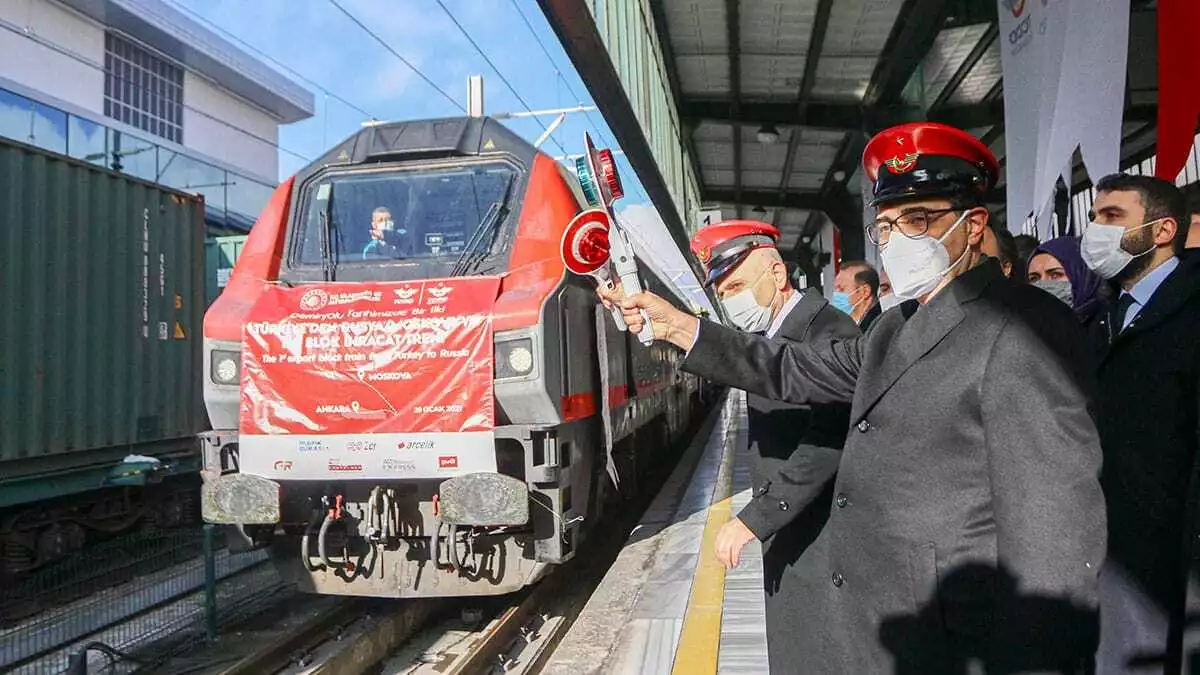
927	159
722	246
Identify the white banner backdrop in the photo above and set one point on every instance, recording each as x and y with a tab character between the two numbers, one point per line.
1064	87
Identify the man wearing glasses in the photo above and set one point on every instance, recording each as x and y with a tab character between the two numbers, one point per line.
968	524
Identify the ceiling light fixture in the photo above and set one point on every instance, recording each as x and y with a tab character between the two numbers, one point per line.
768	134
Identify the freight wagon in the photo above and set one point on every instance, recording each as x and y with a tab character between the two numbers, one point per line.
101	300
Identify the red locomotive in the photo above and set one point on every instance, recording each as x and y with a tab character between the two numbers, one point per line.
410	393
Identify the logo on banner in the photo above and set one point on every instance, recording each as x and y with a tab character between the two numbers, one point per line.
448	462
317	299
404	296
314	300
312	446
415	445
283	465
360	446
438	295
900	164
394	465
338	466
1017	7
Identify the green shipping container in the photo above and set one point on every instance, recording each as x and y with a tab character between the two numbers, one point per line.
219	256
101	303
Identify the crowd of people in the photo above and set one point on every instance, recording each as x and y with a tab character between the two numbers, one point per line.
980	457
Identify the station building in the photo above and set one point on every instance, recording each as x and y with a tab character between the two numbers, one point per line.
140	87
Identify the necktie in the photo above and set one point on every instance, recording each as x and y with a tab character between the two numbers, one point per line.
1119	312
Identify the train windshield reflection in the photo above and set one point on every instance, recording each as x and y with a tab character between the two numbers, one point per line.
409	215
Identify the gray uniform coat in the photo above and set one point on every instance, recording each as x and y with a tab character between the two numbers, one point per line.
968	524
808	439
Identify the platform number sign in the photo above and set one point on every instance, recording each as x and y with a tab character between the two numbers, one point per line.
709	217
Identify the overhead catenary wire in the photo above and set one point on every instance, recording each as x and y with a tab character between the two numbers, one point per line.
494	68
258	52
65	51
395	53
550	60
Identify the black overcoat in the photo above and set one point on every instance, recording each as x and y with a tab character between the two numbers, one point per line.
870	317
810	438
1148	420
968	524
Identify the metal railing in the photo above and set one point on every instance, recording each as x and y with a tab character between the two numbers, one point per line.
152	595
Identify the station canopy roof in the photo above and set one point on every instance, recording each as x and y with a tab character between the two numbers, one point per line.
778	97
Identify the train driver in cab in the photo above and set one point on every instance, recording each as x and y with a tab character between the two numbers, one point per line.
749	277
968	526
383	234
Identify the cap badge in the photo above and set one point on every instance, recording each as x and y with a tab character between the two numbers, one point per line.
705	254
900	164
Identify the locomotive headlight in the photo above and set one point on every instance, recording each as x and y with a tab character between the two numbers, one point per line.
514	358
520	359
226	367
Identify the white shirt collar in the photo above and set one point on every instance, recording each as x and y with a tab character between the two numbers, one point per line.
786	309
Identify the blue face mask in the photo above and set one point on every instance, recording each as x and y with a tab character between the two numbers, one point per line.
841	302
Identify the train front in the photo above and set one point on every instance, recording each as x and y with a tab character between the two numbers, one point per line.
386	410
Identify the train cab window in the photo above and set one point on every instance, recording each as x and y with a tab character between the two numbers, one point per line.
403	215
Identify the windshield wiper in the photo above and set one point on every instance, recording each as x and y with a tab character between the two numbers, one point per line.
485	230
328	263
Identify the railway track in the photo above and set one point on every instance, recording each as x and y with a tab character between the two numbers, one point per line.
329	635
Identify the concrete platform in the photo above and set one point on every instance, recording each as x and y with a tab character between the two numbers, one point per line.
667	605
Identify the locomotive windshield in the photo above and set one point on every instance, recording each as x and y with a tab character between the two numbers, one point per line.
403	215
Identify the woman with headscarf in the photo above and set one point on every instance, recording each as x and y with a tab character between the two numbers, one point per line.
1057	267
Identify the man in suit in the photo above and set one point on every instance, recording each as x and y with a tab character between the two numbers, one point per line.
750	279
856	292
1147	347
968	524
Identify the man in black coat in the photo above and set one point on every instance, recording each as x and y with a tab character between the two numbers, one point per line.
740	260
1147	350
856	292
968	525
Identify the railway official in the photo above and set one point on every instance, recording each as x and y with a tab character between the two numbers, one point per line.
744	267
968	525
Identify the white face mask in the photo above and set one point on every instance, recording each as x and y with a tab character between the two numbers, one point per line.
1101	248
889	301
745	312
916	266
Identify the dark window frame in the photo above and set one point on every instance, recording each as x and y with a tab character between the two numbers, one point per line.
140	89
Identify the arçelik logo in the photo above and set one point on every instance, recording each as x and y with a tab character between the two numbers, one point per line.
415	445
314	300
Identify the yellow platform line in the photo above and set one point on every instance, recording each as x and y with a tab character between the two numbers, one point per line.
700	639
